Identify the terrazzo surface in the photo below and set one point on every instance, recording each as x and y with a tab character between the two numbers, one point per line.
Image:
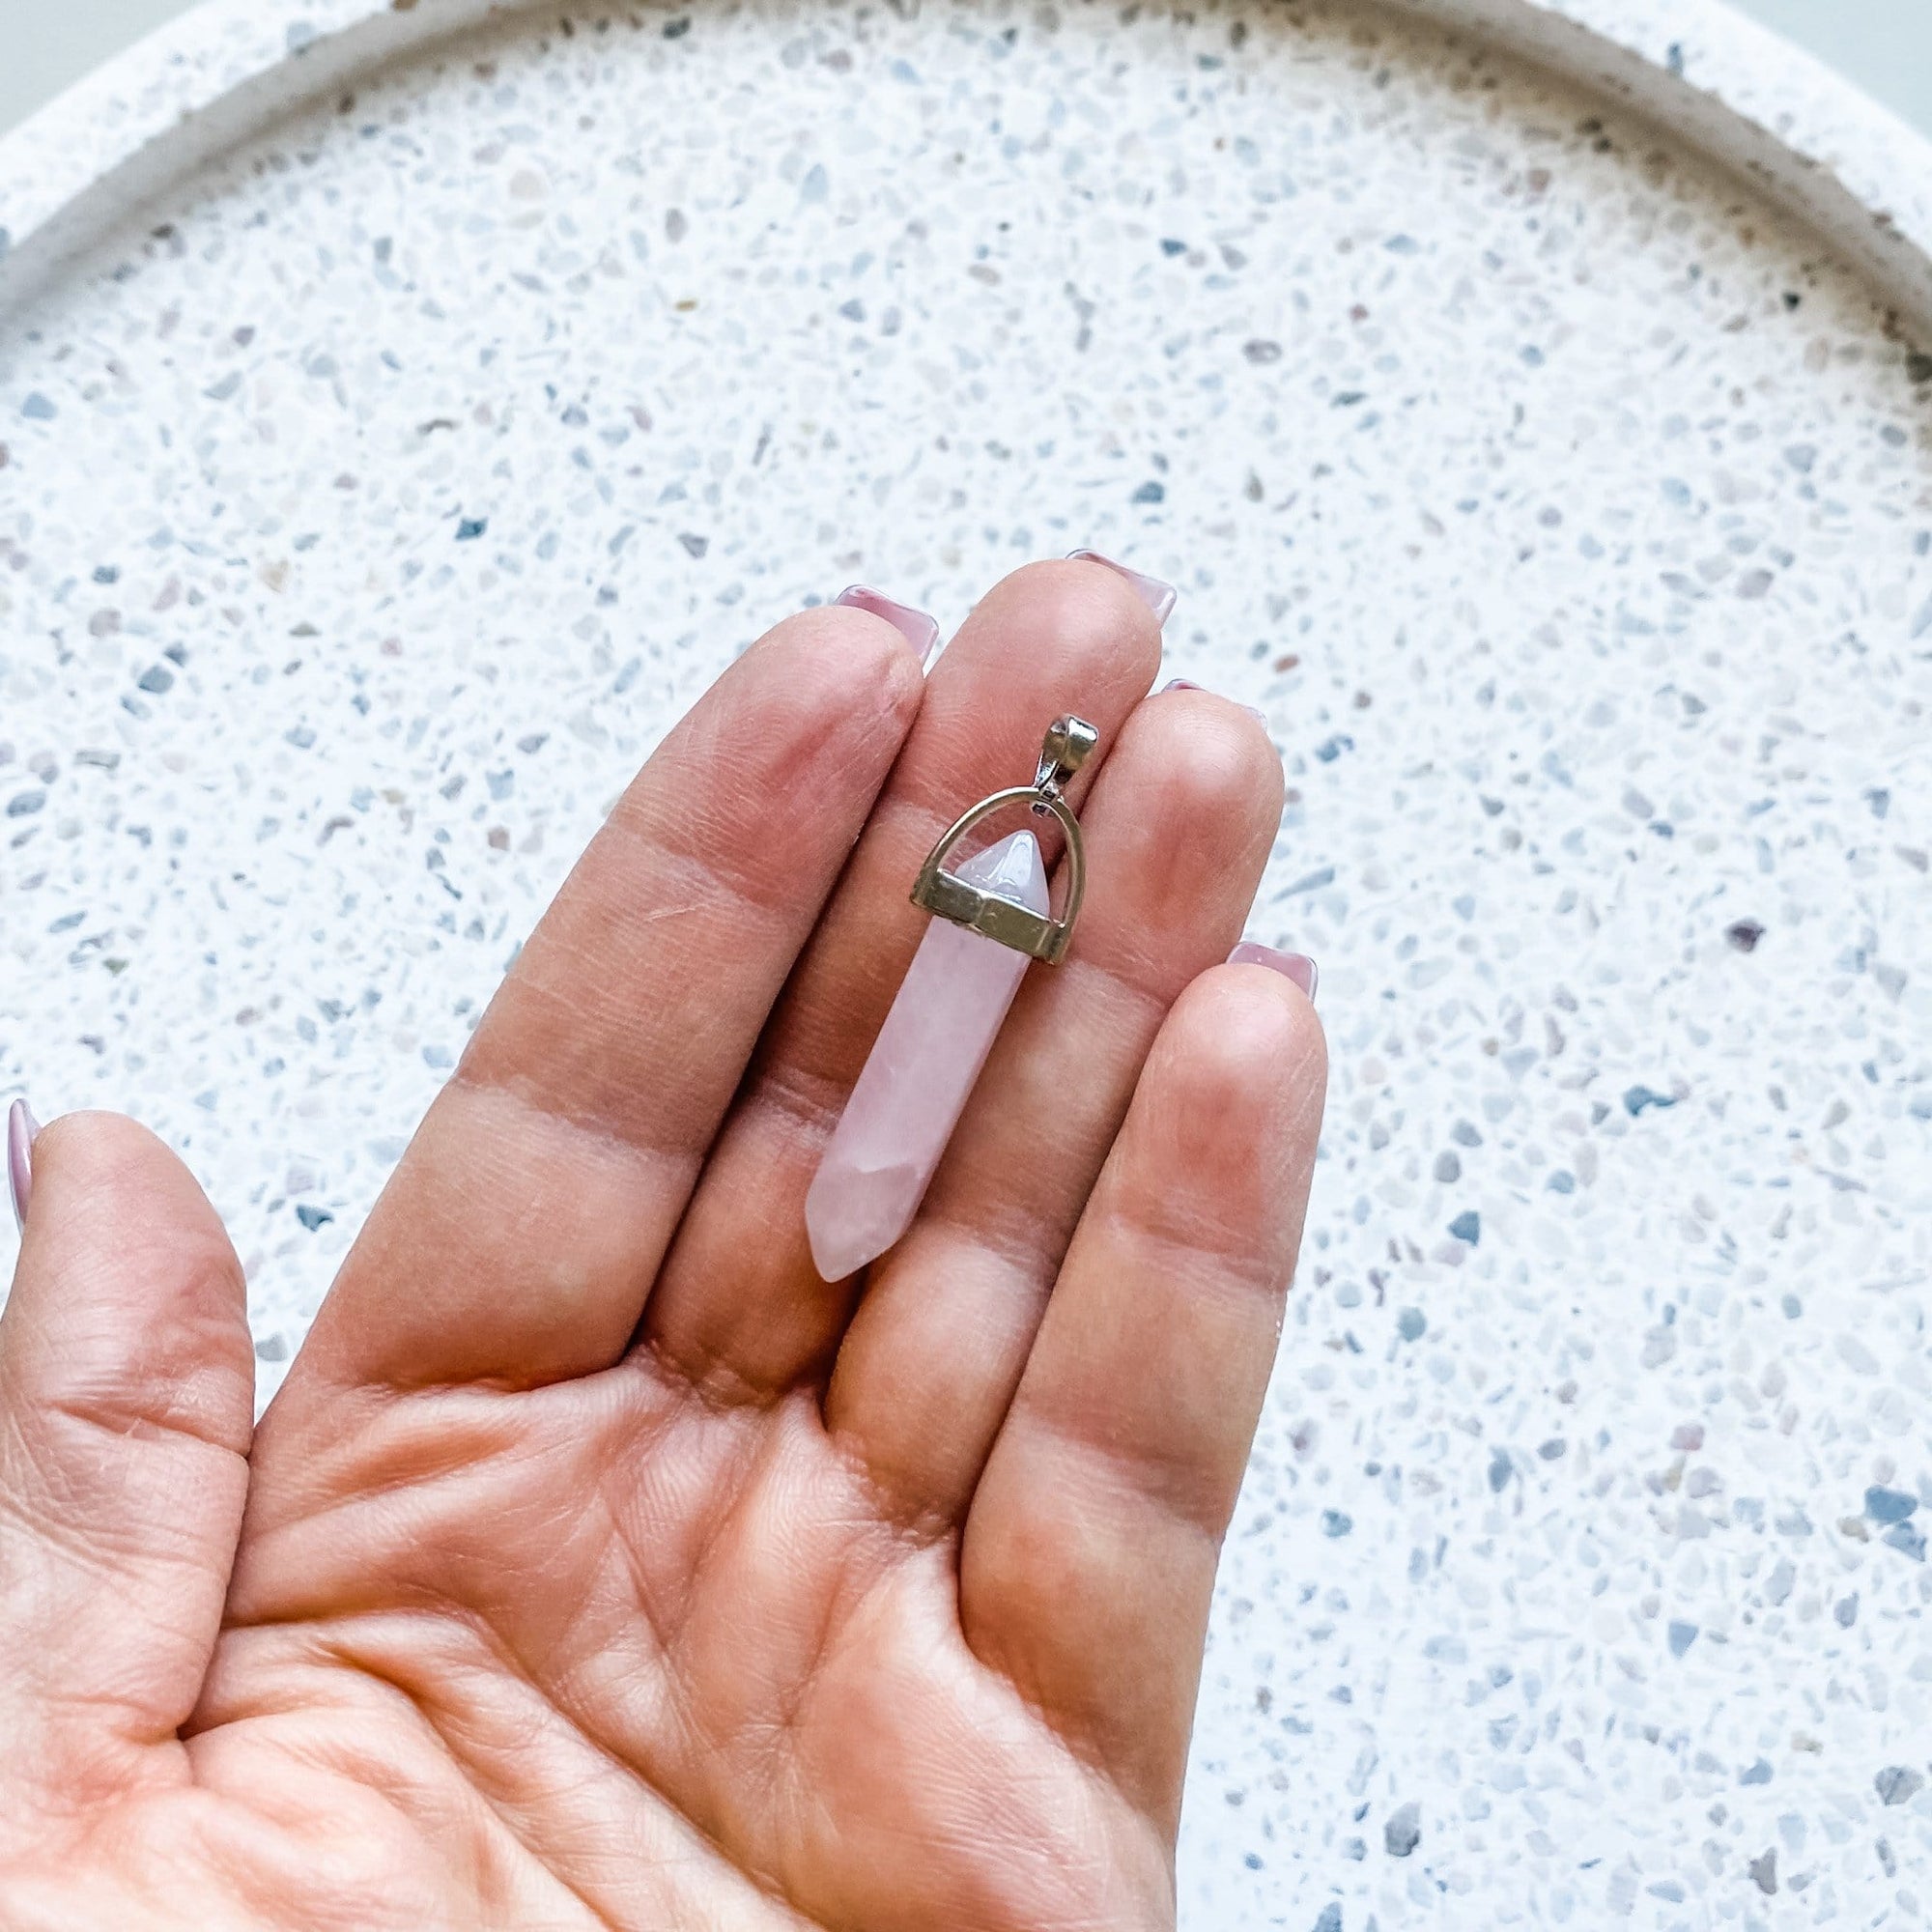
369	510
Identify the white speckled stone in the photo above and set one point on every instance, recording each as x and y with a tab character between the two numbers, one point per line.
372	503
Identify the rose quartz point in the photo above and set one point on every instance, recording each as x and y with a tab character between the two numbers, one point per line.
887	1144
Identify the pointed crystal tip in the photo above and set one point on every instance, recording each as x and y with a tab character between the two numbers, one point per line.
852	1215
1015	869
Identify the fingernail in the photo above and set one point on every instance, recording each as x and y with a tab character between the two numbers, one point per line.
1188	684
919	630
1296	966
1160	598
22	1129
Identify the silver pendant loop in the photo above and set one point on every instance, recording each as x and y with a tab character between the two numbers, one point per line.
1067	743
1066	747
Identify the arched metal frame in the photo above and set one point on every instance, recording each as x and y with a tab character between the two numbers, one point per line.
1006	921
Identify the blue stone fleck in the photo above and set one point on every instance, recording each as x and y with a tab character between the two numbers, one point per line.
1335	1523
312	1218
1637	1099
1908	1540
1885	1505
1411	1324
1681	1637
472	528
1467	1226
1151	492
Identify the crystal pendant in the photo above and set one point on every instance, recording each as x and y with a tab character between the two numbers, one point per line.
923	1066
992	917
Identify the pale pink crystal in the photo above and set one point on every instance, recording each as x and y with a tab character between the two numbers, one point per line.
882	1154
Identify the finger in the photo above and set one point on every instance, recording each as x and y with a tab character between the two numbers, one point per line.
741	1306
1177	833
127	1400
1087	1562
520	1237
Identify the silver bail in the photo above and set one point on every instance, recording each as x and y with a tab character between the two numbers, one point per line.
1062	752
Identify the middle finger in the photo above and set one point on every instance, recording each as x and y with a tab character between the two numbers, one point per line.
739	1307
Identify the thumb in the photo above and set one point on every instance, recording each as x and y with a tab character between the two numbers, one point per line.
127	1402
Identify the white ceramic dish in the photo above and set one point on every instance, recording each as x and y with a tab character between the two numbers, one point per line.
406	412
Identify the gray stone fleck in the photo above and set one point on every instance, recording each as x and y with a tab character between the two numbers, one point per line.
1403	1831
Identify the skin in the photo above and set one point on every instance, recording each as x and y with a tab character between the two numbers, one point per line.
599	1566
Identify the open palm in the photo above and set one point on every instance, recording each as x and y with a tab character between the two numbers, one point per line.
598	1565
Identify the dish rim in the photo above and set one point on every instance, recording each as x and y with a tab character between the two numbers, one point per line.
1736	94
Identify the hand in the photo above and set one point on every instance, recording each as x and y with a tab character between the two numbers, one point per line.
598	1565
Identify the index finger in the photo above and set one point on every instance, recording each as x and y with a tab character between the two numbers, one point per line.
518	1238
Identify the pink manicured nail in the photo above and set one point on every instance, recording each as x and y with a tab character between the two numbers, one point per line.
1160	598
1188	684
919	630
22	1129
1296	966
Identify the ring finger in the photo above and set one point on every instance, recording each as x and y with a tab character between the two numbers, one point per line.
1178	829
